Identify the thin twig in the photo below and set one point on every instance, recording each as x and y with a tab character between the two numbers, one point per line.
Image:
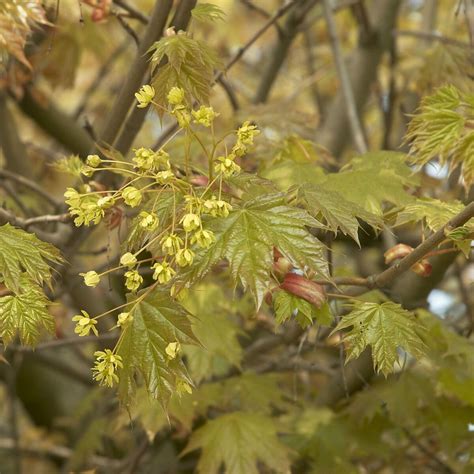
27	183
59	452
67	341
170	129
354	120
433	37
132	11
256	8
128	29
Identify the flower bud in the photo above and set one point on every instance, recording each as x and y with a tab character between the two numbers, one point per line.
128	259
397	252
93	160
91	278
176	96
132	196
303	288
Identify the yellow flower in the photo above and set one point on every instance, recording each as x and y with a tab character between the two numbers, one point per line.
176	96
163	272
132	196
204	115
106	202
172	350
164	177
123	319
93	160
85	324
144	96
246	133
184	257
190	222
226	165
133	280
148	221
204	238
91	278
182	116
105	366
87	170
128	259
171	243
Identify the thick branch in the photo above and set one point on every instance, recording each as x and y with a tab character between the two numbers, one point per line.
56	124
346	87
362	71
138	68
14	151
135	120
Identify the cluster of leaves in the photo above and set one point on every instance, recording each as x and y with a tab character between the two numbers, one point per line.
17	19
25	265
443	130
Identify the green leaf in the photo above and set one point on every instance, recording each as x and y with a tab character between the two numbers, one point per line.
287	305
25	313
246	239
372	179
442	130
157	321
385	327
338	212
435	214
207	13
190	65
216	331
238	440
23	252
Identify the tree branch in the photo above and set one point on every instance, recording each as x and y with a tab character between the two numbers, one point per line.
362	71
135	120
347	92
138	68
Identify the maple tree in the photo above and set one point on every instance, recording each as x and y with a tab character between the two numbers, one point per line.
196	277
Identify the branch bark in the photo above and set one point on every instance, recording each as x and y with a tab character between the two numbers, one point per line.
138	68
362	71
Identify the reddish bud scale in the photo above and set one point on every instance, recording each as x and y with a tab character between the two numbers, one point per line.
397	252
422	268
303	288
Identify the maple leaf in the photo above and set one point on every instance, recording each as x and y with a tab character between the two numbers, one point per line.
239	441
157	322
23	252
374	178
25	313
385	327
207	13
17	19
338	212
246	238
217	332
436	214
287	305
442	130
190	65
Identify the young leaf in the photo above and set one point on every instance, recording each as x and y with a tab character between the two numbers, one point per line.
207	13
339	213
246	239
442	129
23	252
373	178
287	305
25	313
190	65
215	330
239	440
385	327
157	322
436	214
